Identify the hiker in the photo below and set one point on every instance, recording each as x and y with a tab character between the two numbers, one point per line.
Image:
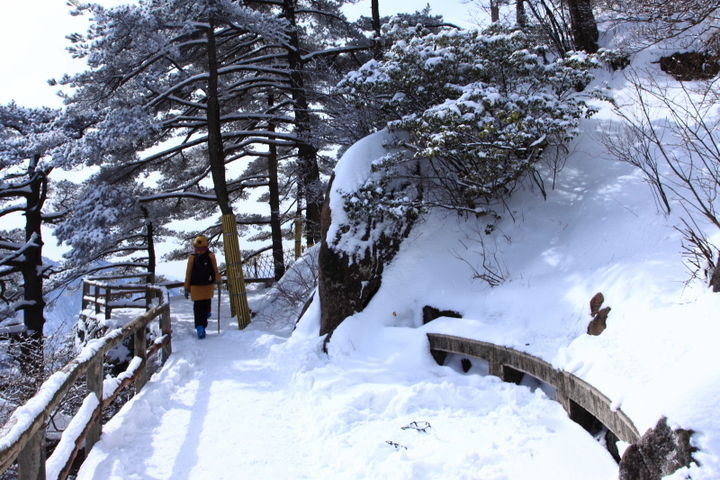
200	276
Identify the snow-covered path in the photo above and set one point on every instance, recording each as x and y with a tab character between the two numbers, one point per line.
211	413
253	404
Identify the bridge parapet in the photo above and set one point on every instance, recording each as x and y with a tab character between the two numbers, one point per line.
571	391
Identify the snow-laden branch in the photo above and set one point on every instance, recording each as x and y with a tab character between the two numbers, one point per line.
12	209
333	51
193	195
19	250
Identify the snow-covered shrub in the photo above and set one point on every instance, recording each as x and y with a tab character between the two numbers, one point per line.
283	304
671	133
479	108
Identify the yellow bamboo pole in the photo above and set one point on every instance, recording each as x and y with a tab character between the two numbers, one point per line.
298	237
236	281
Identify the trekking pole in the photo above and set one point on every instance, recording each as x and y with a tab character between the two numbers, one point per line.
219	294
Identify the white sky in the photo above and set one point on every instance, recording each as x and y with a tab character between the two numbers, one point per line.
33	32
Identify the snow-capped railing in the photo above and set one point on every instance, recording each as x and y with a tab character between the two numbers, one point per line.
261	267
105	296
22	438
574	394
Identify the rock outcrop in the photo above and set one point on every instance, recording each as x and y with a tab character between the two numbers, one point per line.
346	283
660	452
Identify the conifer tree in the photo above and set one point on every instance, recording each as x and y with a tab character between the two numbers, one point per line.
31	142
477	108
110	228
181	76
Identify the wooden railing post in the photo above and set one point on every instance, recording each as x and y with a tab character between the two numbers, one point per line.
149	296
97	298
31	460
85	294
140	343
95	385
495	369
166	331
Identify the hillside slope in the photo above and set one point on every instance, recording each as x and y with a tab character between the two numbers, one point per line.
271	404
599	230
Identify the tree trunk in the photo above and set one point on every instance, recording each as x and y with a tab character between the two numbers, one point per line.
152	258
231	241
520	14
494	11
31	269
584	26
150	240
215	145
377	46
275	224
715	277
307	153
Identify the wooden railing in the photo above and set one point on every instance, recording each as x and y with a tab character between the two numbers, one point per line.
22	438
261	267
574	394
105	296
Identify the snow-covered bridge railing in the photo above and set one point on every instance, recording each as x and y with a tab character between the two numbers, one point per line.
105	296
261	266
22	438
578	397
257	268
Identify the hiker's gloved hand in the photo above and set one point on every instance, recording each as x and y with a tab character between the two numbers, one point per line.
187	293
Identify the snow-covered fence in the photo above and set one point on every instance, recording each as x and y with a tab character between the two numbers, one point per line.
22	438
106	296
261	267
257	268
578	397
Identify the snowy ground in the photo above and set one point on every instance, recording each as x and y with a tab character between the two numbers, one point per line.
253	404
271	405
266	404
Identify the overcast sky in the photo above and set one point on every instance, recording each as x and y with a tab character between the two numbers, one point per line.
32	35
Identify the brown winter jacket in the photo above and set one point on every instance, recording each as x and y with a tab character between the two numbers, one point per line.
201	292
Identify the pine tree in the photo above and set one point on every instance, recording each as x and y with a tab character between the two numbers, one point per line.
109	227
183	77
243	86
31	142
477	109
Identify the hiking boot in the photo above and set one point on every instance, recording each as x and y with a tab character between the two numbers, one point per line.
201	331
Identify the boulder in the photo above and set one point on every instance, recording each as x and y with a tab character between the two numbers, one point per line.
660	452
